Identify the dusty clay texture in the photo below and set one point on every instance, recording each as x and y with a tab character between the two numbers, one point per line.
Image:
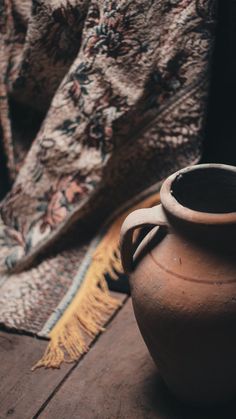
183	283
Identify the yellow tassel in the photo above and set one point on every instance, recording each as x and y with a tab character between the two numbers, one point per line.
93	304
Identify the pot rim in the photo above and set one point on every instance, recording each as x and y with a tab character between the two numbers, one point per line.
175	208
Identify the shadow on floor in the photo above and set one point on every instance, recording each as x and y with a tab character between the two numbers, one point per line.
165	406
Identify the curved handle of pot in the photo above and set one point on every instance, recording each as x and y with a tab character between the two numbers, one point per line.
140	218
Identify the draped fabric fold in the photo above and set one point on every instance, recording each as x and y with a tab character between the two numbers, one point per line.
99	100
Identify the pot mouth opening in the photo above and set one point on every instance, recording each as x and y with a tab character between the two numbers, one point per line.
207	189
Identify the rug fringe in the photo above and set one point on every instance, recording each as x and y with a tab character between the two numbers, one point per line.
93	304
68	338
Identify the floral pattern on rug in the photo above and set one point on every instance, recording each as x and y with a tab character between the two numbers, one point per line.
100	100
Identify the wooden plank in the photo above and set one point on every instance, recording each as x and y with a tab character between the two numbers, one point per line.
22	392
118	380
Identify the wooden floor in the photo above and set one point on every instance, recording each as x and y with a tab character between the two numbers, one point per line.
116	379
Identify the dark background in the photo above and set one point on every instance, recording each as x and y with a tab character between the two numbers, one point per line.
220	143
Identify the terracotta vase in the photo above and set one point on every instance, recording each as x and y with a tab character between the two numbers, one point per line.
183	281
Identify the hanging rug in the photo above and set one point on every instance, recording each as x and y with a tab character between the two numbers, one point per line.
100	100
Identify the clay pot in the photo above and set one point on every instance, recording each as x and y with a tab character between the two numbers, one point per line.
183	281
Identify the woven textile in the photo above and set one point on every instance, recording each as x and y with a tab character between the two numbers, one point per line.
99	100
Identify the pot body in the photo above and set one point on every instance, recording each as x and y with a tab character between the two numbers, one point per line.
183	287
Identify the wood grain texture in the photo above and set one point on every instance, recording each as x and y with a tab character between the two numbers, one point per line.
118	380
22	392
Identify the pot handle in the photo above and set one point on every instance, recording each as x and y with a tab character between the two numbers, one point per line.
154	216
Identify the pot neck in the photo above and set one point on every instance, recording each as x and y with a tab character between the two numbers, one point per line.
220	236
210	188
